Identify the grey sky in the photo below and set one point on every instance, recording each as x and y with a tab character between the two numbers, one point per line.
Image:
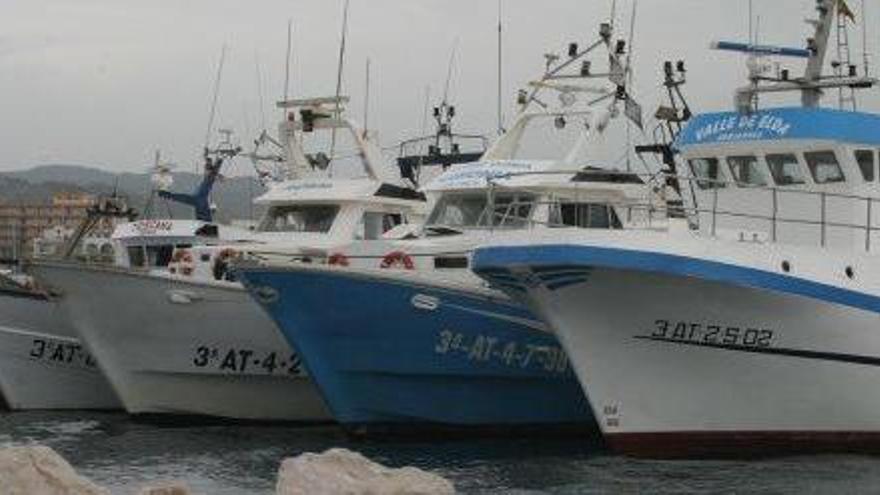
105	82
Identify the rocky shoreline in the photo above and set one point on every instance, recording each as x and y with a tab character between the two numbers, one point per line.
39	470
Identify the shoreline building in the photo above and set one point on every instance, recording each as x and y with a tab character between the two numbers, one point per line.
23	226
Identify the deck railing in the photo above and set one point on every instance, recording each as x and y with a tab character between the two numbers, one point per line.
659	192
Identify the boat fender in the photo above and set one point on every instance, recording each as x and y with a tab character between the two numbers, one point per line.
397	259
221	264
338	259
182	262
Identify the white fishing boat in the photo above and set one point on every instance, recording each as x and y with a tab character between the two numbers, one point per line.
185	338
404	336
43	365
757	332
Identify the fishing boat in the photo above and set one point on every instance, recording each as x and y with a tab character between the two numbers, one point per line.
43	364
403	338
182	336
755	333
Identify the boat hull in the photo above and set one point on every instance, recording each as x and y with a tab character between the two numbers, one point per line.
688	358
42	363
394	354
171	346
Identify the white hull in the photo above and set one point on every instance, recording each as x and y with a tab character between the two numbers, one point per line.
642	383
42	364
174	347
687	365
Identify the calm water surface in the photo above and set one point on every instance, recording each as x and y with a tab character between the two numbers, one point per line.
123	455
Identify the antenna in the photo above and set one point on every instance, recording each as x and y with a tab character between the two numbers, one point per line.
449	70
262	100
367	98
751	19
629	78
865	55
500	116
214	99
339	75
613	16
287	61
425	109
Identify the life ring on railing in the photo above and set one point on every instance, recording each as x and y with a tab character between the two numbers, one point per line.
397	259
182	262
220	269
338	259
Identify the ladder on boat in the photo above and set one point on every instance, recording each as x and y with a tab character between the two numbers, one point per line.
843	66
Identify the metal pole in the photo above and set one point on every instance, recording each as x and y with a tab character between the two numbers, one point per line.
500	117
822	195
775	213
491	205
714	209
868	228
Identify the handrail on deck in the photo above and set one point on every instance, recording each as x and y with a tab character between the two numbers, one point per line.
658	182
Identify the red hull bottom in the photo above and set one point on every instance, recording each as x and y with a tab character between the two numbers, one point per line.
739	444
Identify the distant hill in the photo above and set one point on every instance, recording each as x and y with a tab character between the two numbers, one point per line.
232	195
73	174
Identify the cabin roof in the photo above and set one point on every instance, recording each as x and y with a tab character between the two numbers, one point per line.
525	174
780	124
337	190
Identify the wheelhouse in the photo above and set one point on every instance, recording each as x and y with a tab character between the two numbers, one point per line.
526	195
151	244
800	175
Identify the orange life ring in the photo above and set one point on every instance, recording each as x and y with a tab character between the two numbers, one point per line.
397	259
339	259
182	256
182	261
220	268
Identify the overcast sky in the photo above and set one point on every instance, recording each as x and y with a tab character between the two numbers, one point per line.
106	82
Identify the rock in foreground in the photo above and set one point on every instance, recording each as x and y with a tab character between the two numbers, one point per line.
40	470
343	472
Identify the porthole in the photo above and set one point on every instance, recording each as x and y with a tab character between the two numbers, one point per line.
850	273
786	266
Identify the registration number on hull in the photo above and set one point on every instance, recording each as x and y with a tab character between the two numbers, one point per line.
246	361
711	333
59	352
509	353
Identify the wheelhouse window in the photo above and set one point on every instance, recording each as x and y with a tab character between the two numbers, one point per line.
300	218
707	172
150	256
865	159
746	170
159	256
785	169
375	224
585	216
135	256
473	210
824	167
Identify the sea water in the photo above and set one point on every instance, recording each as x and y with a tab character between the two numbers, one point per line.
124	455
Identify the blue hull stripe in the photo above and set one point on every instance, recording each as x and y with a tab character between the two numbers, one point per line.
489	260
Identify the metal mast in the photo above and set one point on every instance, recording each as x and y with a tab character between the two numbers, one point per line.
843	66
